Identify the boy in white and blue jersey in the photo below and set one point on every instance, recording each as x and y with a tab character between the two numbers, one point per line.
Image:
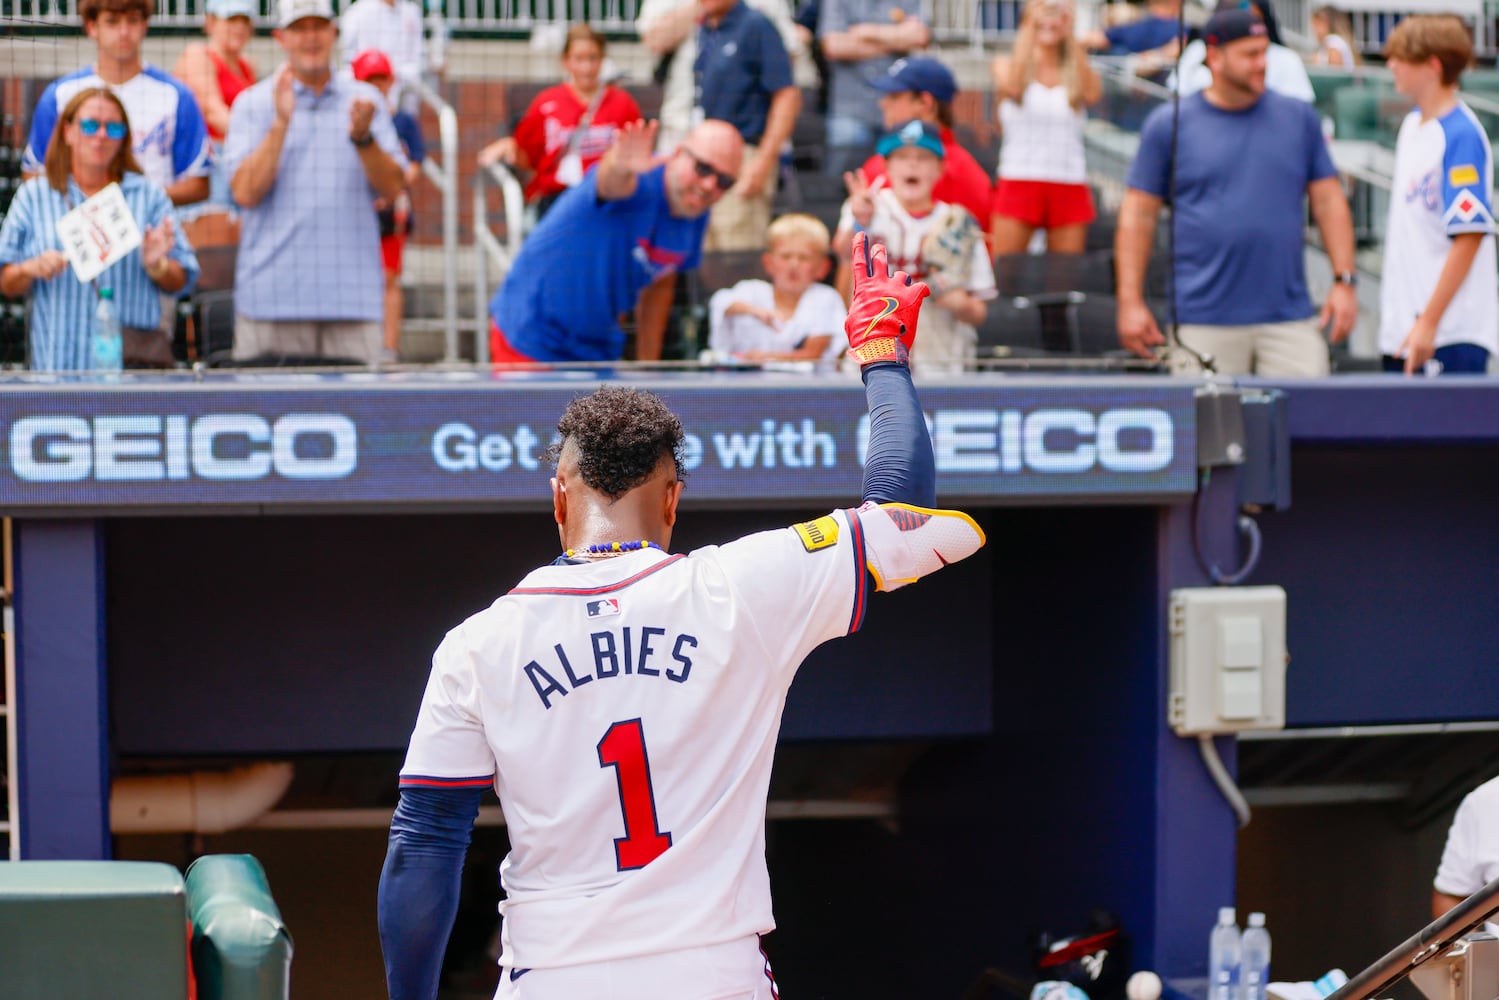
170	136
1439	294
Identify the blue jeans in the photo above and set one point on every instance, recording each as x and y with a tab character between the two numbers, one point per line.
1454	359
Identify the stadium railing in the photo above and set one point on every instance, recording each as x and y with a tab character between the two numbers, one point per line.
491	249
974	21
444	176
1442	961
978	22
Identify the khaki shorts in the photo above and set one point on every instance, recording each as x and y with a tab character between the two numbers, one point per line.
355	340
739	223
1295	348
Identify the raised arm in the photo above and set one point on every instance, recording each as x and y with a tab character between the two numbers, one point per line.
881	327
663	33
256	174
906	537
631	155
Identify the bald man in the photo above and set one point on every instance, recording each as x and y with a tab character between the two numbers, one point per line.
614	242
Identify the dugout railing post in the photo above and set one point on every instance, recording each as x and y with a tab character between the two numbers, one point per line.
1430	942
488	247
444	176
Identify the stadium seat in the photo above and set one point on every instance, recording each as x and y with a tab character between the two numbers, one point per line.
815	194
1067	298
808	134
723	268
207	333
1356	113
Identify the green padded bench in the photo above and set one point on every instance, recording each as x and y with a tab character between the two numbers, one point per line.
241	949
118	930
92	929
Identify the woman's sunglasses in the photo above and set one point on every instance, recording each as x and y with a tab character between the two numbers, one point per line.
112	130
706	170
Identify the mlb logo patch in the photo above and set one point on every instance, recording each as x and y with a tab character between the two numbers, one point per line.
603	608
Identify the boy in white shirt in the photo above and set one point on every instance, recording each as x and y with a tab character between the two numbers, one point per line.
900	211
1438	290
791	317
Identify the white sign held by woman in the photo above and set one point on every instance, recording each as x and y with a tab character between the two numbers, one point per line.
99	232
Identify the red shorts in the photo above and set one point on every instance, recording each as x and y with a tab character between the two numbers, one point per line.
1044	204
390	252
500	351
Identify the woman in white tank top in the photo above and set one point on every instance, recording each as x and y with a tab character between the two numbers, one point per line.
1334	31
1043	85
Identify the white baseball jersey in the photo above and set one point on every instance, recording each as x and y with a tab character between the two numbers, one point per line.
170	136
943	344
1443	186
1470	860
626	711
819	312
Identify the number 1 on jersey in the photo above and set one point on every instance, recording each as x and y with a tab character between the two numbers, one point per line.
623	748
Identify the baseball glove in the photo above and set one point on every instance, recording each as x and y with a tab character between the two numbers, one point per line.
947	250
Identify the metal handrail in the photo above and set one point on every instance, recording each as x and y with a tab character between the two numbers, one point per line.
444	176
487	246
1426	944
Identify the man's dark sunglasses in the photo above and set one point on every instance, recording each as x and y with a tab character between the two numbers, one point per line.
706	170
91	126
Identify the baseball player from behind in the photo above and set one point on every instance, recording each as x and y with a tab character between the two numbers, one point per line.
624	701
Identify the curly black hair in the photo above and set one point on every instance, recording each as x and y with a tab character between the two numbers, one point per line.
621	435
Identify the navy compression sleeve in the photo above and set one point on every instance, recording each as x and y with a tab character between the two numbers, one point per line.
898	466
419	885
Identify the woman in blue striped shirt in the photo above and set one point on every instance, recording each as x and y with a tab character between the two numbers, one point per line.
90	149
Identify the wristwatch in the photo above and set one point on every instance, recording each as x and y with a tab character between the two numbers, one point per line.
1349	278
364	141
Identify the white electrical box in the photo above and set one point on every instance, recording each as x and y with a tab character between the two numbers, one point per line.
1228	659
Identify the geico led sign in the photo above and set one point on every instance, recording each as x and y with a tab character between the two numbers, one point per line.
1048	440
219	446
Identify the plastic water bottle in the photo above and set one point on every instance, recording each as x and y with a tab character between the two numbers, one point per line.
1254	961
107	345
1223	957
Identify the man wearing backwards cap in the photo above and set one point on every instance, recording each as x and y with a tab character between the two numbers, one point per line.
922	88
306	155
1245	159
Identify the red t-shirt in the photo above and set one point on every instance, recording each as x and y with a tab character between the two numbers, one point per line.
232	83
963	181
548	124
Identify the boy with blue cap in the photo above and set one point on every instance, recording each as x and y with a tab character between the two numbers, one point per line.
933	240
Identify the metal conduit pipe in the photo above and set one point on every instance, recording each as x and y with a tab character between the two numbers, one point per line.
197	802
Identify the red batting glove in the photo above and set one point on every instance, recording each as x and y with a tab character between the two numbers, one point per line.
881	320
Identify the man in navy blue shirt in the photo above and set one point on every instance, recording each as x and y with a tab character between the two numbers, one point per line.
743	76
614	242
1247	161
1154	39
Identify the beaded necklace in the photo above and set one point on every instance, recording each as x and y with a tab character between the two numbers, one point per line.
612	549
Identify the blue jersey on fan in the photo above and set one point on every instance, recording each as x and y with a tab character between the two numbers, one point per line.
585	264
